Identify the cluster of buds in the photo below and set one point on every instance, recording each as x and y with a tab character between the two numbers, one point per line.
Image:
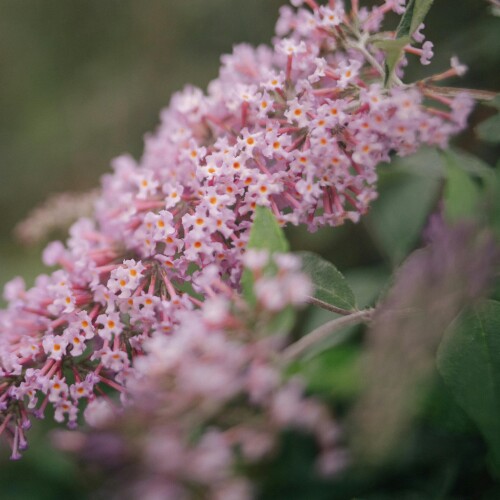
298	127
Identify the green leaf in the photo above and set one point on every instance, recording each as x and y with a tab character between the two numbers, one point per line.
330	285
429	162
335	371
413	17
187	287
495	102
493	197
489	130
393	50
469	361
266	234
415	13
368	283
426	162
471	164
461	194
398	216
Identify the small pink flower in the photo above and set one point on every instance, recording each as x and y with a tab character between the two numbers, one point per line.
427	53
57	389
114	359
55	346
75	340
111	325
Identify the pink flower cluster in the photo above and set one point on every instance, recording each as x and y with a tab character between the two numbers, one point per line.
213	397
298	127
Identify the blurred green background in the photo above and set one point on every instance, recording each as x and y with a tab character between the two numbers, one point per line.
82	81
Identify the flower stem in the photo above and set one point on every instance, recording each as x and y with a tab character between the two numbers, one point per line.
302	345
324	305
479	95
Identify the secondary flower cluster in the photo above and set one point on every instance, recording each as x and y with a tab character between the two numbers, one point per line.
298	127
57	213
213	397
